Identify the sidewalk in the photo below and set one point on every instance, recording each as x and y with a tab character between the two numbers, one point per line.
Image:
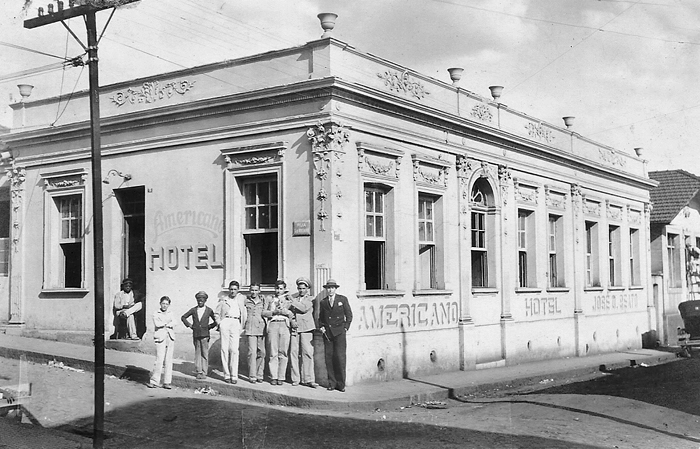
384	395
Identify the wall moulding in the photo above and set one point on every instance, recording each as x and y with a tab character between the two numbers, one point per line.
525	192
64	179
376	161
151	91
254	155
555	199
430	171
402	82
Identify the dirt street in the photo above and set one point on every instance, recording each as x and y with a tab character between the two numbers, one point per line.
643	407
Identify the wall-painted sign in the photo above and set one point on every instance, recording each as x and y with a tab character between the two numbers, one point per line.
542	306
201	256
615	302
187	219
407	316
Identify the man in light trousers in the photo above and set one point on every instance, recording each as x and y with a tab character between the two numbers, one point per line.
230	315
302	335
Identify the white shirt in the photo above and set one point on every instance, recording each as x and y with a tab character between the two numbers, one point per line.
200	312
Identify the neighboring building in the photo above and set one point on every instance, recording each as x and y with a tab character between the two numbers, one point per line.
675	239
465	234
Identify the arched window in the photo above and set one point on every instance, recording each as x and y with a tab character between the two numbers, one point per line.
482	222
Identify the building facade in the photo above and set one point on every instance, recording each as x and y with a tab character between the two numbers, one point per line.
675	243
465	234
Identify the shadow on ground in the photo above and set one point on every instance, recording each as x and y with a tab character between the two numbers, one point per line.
674	385
192	422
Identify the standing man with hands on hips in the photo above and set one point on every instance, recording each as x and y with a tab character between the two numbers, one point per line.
335	318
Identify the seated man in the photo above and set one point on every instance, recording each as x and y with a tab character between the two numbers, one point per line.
124	309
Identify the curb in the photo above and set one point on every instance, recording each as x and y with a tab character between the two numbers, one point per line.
241	391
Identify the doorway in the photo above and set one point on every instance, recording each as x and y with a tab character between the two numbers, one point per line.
132	203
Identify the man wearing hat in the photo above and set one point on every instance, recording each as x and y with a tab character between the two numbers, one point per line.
303	308
124	309
335	318
231	315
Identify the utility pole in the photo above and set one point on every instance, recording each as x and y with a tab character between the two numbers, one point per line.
88	9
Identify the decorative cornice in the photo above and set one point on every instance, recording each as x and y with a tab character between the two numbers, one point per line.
151	91
539	132
401	82
591	207
429	170
633	216
554	199
266	153
329	137
378	161
482	112
613	212
525	192
611	157
65	179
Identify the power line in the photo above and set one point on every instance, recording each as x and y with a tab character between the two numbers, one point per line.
19	47
571	48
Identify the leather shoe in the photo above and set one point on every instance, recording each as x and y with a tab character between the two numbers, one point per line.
330	388
312	385
167	386
260	381
342	390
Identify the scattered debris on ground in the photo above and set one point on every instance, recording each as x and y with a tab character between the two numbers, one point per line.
206	390
433	404
61	365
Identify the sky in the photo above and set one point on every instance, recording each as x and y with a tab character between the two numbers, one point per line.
627	70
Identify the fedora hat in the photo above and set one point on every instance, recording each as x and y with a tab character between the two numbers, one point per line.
331	283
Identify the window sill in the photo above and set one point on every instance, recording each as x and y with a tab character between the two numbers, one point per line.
380	293
616	288
484	290
528	290
64	292
636	287
432	292
558	289
593	289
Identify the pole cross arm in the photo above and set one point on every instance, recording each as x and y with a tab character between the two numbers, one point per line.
75	11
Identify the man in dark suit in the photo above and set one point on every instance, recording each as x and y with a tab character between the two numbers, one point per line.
335	317
202	322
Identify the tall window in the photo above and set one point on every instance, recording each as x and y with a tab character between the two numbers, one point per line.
482	225
635	278
479	251
68	229
592	273
260	230
426	241
555	249
614	255
375	238
527	273
4	232
674	260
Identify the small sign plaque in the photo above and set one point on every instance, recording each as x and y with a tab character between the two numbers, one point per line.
301	228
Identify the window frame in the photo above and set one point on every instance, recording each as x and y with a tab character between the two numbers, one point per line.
635	256
386	265
673	241
5	231
556	265
614	255
54	276
482	204
592	254
430	243
526	247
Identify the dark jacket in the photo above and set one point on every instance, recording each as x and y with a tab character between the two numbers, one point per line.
336	319
199	328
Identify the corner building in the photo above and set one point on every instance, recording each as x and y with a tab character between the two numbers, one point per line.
466	234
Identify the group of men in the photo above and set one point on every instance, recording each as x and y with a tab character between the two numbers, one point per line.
285	323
